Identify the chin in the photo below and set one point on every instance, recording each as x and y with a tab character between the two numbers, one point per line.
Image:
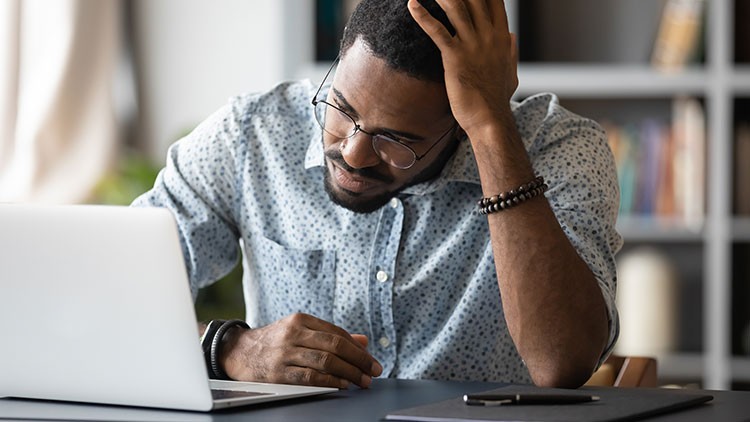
353	201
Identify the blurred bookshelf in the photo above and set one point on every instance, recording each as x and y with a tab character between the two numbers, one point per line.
604	66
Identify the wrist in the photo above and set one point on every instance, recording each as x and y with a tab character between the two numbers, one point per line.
501	157
492	129
229	347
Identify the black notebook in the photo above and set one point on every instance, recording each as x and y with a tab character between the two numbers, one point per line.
614	404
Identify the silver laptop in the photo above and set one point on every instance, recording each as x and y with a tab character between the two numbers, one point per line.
95	307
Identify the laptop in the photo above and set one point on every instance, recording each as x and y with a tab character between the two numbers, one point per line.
95	307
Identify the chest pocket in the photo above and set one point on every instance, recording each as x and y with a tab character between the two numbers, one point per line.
282	281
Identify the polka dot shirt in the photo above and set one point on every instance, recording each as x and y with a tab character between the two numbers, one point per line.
416	276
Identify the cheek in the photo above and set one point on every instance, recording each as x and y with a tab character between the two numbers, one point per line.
328	140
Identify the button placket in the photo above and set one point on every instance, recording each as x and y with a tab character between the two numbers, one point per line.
382	268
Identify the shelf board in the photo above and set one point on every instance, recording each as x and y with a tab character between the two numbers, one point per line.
741	229
741	368
689	366
606	81
741	80
657	229
594	81
680	366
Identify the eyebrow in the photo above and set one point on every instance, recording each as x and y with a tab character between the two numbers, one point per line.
348	108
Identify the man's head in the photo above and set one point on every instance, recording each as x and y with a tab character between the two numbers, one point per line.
389	81
387	27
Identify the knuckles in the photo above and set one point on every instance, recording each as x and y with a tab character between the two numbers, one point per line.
296	319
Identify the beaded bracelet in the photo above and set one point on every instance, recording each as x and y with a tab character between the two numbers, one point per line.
513	197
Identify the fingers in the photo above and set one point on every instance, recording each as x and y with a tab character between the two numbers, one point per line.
470	18
498	14
480	15
431	26
317	324
333	339
361	339
329	349
474	21
331	364
307	376
459	15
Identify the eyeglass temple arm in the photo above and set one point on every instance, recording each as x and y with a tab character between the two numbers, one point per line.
315	97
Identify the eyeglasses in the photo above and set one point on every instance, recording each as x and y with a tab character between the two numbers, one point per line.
340	124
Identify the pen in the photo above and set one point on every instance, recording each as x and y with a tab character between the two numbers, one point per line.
501	399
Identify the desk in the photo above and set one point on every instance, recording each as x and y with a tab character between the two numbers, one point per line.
352	405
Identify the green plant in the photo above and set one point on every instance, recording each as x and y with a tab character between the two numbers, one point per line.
135	174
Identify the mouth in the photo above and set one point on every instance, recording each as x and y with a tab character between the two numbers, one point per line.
351	183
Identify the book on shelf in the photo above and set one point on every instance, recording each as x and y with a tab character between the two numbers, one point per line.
652	139
689	129
678	39
661	165
742	170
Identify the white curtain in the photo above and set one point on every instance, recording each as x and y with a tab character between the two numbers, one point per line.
58	129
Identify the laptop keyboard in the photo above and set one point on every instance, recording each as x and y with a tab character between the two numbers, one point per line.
233	394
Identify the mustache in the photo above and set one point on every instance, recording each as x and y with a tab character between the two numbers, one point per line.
334	154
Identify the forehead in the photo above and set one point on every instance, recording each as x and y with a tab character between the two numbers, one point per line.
377	91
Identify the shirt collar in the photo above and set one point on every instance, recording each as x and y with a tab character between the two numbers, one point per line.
461	167
314	156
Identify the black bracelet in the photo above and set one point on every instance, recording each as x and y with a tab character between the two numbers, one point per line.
207	338
513	197
215	370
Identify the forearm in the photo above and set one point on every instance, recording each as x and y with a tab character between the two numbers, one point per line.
553	306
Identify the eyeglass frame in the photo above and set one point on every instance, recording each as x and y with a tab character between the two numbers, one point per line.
357	128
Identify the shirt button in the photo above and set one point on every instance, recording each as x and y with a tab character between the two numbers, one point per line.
382	276
384	342
394	203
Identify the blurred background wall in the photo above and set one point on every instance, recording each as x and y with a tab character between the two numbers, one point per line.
193	55
84	83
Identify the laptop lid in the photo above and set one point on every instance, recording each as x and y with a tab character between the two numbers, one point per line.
95	307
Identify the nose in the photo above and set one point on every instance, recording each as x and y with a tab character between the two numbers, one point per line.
358	152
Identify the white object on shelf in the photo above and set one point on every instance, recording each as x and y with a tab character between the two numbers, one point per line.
647	302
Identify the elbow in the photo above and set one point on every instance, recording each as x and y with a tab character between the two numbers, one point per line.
562	374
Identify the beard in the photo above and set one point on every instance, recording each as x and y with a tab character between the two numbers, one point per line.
358	202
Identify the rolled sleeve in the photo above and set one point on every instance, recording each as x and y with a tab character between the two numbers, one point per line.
198	186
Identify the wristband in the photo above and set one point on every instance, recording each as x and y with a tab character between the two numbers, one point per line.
215	370
207	338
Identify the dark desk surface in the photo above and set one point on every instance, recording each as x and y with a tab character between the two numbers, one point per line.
384	396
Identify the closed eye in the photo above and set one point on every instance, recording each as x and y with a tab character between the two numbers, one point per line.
399	138
345	108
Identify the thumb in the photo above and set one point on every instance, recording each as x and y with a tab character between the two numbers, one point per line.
361	339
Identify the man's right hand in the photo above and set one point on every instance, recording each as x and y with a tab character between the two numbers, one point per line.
299	349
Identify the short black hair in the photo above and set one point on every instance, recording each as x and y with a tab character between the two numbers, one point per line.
387	28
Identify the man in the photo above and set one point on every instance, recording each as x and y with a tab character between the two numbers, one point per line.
359	215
